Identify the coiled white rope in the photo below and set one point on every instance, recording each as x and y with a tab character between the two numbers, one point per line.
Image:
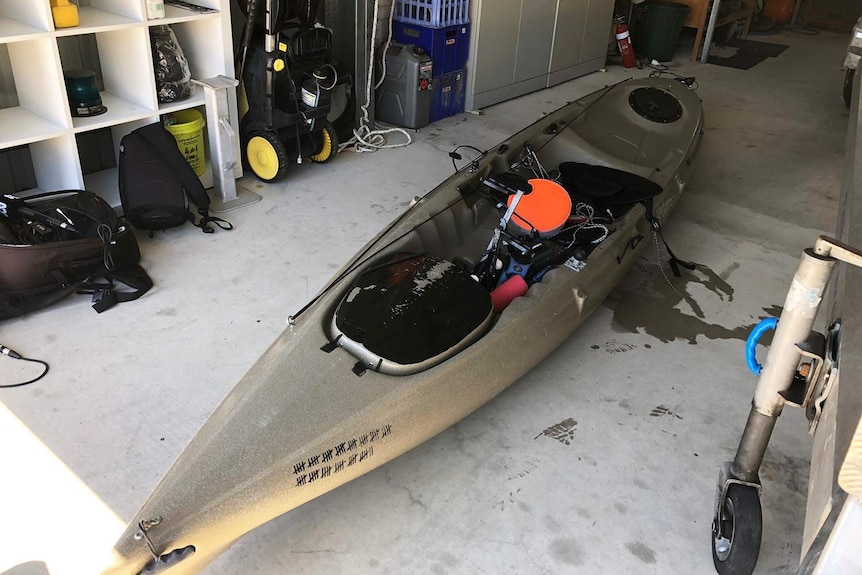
366	139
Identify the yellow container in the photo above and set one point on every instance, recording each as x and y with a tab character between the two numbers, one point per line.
187	127
65	14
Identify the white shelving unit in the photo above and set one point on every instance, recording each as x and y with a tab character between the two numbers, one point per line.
42	118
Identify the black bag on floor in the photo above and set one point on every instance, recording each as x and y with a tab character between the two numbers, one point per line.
157	183
59	243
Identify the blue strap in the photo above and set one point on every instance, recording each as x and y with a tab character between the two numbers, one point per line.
751	343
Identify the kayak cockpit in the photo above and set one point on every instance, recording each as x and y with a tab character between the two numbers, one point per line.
410	312
438	289
442	276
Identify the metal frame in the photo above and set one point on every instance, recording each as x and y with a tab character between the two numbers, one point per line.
223	146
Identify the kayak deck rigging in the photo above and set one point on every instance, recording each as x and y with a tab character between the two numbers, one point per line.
431	293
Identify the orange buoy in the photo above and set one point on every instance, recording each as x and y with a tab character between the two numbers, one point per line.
779	11
545	210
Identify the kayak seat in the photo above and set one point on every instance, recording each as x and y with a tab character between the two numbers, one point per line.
606	188
410	312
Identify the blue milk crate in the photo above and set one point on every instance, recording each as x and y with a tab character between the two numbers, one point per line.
447	98
433	13
449	47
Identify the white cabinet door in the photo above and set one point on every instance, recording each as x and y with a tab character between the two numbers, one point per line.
535	37
569	34
495	54
598	30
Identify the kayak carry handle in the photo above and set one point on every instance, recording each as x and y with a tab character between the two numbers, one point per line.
751	343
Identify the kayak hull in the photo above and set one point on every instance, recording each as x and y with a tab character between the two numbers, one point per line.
301	422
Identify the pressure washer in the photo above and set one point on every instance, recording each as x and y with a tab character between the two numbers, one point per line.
286	65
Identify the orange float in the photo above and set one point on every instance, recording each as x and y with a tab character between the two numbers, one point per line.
779	11
545	210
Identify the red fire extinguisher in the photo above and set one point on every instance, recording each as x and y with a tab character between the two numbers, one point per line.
624	42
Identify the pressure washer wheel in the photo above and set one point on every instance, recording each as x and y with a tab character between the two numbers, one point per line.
266	155
328	146
736	551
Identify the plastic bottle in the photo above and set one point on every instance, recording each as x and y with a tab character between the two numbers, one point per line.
155	9
624	42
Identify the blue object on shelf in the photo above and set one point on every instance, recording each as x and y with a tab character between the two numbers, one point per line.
433	13
449	47
447	98
751	343
83	93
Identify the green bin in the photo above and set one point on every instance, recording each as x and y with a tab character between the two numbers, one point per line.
659	28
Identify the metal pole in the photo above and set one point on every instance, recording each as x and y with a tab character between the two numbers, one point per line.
710	31
794	325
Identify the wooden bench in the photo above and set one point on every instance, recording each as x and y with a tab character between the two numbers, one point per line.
698	18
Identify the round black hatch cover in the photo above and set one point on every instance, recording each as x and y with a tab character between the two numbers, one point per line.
655	105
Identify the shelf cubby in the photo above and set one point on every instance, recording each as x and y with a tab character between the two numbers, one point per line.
196	99
104	16
112	39
195	38
175	14
24	20
41	110
96	151
16	170
121	60
56	163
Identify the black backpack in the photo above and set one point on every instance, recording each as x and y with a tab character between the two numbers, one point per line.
157	183
59	243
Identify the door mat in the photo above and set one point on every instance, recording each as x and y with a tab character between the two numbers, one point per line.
748	53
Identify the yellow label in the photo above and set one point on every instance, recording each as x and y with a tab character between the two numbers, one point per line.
282	46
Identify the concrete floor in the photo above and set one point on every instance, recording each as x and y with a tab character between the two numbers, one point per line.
655	386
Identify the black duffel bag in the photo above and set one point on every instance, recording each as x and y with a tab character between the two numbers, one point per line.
59	243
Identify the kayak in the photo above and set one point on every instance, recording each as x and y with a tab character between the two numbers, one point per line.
467	290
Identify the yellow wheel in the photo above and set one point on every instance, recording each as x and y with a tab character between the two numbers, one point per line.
328	147
266	156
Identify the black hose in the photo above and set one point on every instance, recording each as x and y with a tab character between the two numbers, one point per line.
248	29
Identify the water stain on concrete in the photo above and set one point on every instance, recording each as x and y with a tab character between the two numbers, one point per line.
524	469
792	472
641	551
567	551
646	301
564	432
614	346
663	411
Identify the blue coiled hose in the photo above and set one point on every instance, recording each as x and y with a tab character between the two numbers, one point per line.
751	343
